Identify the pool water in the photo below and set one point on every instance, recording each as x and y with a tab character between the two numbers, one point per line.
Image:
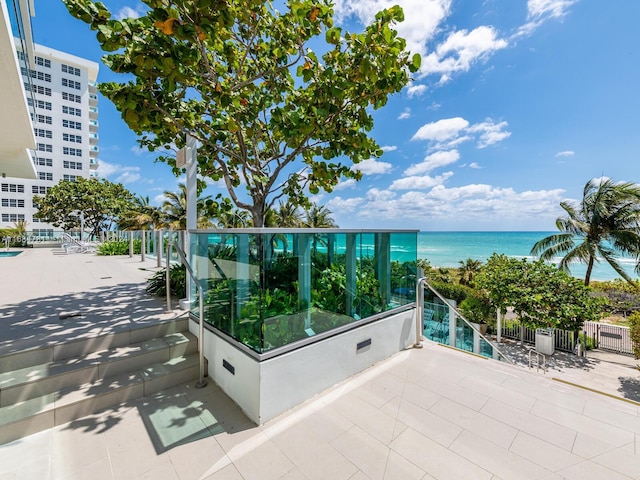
10	254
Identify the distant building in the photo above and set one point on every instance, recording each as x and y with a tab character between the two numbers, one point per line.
60	93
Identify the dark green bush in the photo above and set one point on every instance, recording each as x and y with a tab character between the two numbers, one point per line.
157	285
119	247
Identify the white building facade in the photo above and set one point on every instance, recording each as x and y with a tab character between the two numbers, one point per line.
62	97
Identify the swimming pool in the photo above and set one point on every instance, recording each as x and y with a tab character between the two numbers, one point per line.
10	254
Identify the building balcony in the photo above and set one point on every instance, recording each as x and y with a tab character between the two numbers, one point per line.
94	164
93	126
93	113
94	151
93	138
93	99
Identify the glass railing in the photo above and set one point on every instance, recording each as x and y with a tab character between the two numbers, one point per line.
443	323
269	288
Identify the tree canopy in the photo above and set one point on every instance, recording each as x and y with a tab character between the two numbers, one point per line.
539	293
604	224
100	201
240	77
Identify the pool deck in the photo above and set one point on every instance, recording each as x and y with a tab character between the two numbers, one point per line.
421	414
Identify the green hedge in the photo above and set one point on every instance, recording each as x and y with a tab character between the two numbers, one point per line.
119	247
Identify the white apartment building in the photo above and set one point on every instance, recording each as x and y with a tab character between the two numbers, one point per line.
62	98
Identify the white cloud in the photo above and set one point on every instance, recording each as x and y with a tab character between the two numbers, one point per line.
566	153
416	90
474	165
121	173
389	148
490	133
130	12
433	161
347	184
450	132
419	182
441	130
422	18
159	199
341	205
538	11
462	206
372	166
460	50
406	113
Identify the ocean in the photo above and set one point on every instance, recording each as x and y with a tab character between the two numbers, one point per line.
447	249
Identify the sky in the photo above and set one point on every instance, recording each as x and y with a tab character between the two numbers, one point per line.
516	106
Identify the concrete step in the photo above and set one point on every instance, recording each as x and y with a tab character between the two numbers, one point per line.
46	411
39	380
84	346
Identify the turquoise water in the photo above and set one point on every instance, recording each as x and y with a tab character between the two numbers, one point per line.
10	254
446	249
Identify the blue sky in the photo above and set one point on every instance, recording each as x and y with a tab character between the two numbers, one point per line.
517	105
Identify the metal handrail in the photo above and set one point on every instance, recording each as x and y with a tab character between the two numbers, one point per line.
466	321
201	382
419	311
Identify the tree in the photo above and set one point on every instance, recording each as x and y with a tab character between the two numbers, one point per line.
318	217
241	78
174	209
468	268
540	294
141	216
605	223
288	215
101	202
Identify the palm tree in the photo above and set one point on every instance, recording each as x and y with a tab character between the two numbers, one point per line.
234	218
319	217
142	216
288	215
174	208
468	268
605	223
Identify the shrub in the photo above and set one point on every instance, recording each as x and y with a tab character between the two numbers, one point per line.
119	247
634	322
157	284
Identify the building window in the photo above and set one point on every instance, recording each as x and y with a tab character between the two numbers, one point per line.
45	77
41	119
71	70
37	89
45	162
13	203
42	232
45	176
74	152
40	132
43	62
72	111
72	165
70	83
39	190
72	124
69	178
69	137
12	217
39	104
44	147
71	97
12	187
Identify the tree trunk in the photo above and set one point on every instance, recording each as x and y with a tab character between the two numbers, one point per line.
587	277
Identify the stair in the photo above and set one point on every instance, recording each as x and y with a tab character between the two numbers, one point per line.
44	387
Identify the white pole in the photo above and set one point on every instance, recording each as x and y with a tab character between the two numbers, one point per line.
192	196
499	322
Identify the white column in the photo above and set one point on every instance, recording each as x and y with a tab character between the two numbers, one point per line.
192	199
452	322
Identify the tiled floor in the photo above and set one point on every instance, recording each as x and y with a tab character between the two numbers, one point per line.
422	414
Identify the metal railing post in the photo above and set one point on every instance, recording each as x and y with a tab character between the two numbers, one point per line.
201	382
419	311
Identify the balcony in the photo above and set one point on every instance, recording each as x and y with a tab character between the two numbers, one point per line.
93	152
93	138
93	113
94	164
93	126
93	99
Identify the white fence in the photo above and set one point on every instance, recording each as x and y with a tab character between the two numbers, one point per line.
613	338
563	338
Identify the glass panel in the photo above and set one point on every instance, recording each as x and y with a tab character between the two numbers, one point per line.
271	289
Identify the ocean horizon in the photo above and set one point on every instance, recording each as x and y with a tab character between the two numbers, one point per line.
447	249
